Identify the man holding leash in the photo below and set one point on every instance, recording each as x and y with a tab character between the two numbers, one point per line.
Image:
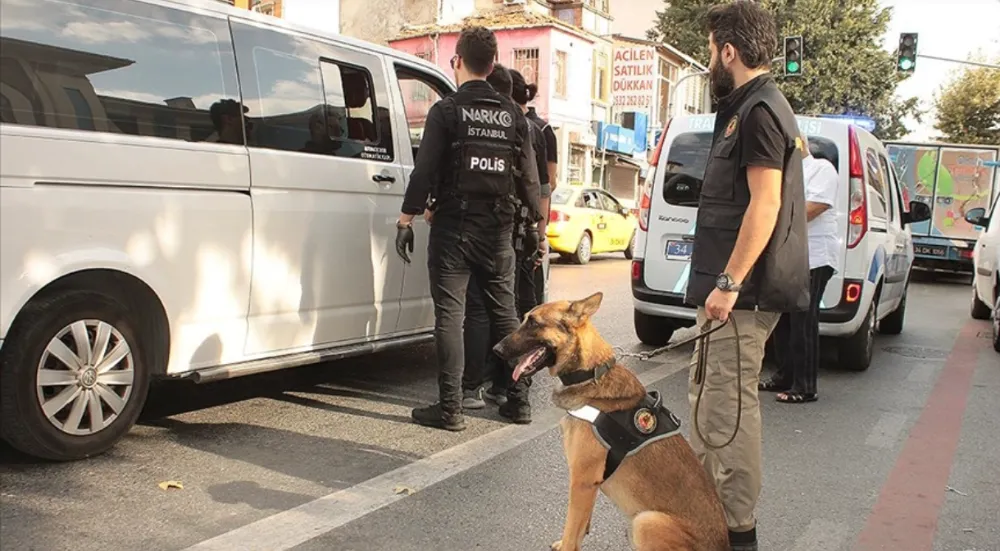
750	259
475	144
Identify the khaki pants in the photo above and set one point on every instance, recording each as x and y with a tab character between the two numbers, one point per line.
735	469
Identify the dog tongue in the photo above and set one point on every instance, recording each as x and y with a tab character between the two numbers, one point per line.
526	362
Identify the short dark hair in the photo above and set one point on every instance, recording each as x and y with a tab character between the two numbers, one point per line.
477	46
500	80
224	107
748	27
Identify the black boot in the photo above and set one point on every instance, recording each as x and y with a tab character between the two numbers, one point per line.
743	541
434	416
518	411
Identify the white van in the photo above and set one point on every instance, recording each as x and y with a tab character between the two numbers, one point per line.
868	290
190	189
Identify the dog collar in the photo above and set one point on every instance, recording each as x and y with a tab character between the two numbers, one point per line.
577	377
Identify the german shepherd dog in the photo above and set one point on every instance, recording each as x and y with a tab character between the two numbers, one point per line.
662	487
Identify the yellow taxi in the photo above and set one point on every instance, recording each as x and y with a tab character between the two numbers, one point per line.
584	221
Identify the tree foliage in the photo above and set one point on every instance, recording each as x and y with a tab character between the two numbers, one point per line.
845	68
968	107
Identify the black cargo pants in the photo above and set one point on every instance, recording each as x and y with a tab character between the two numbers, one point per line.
472	242
481	364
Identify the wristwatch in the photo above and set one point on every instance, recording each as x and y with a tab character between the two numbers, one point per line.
726	283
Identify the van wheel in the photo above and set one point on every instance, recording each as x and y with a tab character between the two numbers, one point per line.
73	376
980	310
630	251
893	323
653	330
996	325
584	249
857	350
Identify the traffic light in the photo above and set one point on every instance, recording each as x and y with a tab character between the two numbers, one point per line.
906	57
793	55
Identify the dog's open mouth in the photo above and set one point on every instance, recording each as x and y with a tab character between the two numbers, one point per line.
534	361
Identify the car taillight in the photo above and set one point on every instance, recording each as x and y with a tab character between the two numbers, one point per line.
966	254
558	216
852	291
644	205
636	270
857	218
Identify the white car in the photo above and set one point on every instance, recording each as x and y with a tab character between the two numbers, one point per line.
984	258
209	195
868	290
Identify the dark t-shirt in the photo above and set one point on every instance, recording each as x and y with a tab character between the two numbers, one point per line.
551	149
761	141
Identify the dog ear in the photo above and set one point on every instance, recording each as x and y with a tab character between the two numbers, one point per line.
587	307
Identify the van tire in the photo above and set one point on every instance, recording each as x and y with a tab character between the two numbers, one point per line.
653	330
980	310
856	351
584	250
630	251
23	423
996	325
893	323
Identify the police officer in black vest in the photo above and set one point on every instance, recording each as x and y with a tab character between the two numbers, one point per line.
474	142
750	259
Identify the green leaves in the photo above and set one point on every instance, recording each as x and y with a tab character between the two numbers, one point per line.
844	67
968	108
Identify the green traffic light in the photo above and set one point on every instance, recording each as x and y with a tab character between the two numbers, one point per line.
792	66
905	64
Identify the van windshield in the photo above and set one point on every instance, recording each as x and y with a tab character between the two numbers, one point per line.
688	154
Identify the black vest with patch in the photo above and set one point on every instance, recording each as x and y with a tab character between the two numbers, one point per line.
779	281
626	432
487	147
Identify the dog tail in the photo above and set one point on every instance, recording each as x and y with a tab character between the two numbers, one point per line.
655	531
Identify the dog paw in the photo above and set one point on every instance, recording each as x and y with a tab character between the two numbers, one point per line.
557	546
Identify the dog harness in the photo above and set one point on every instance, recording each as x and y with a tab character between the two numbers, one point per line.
623	433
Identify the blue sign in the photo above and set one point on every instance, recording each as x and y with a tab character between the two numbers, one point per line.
857	120
641	132
613	137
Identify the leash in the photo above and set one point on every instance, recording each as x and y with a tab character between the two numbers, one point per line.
700	372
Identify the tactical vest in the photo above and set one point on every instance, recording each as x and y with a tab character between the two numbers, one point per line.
487	148
623	433
779	281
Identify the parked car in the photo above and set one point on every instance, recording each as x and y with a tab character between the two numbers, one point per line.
209	195
585	221
985	259
867	292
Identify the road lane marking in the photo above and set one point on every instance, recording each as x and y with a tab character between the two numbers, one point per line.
298	525
906	513
886	431
822	535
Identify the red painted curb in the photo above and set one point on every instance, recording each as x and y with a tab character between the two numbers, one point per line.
905	517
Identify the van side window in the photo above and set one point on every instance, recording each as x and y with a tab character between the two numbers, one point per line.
890	178
419	92
308	96
119	67
878	196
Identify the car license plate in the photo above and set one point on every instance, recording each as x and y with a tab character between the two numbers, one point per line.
930	251
679	250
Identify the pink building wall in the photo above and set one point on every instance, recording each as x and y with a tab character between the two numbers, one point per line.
508	40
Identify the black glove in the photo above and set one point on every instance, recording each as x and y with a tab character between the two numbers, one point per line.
531	240
404	240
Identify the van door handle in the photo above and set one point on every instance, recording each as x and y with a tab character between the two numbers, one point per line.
383	178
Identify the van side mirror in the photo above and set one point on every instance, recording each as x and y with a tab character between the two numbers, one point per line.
919	212
977	217
682	190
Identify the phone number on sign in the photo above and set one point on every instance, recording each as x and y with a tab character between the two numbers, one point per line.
633	101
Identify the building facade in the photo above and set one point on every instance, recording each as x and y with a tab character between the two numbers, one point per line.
323	15
552	53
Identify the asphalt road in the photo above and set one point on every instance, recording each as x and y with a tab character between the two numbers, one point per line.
903	456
